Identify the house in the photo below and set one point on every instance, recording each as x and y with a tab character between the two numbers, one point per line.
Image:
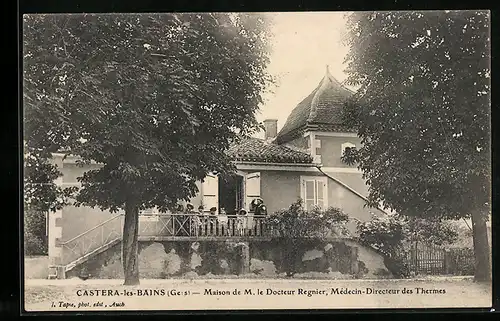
302	160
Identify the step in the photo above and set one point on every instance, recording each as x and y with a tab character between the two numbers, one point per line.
89	255
80	260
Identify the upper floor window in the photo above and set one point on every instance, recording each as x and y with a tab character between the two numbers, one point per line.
346	145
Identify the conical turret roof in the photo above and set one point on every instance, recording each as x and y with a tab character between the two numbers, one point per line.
321	109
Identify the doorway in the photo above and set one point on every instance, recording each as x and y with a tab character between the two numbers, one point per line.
231	194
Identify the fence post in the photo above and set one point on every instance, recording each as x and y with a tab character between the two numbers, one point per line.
61	272
447	261
417	265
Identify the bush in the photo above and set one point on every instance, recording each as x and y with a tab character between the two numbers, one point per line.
466	268
462	261
382	273
393	235
291	226
296	222
398	267
35	240
388	234
385	234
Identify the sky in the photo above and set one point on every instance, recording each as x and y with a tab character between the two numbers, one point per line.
302	46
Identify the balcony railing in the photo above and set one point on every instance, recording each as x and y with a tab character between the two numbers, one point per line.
201	226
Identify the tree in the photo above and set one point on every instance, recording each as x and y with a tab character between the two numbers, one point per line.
292	226
41	197
423	115
155	99
392	233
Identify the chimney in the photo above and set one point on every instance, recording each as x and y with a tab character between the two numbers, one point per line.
270	128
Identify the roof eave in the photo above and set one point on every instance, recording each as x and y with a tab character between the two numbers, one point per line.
274	163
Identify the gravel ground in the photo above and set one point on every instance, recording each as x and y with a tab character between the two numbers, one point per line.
109	294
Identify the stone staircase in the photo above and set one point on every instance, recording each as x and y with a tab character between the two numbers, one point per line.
87	245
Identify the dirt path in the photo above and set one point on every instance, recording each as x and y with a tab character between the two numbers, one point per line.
75	295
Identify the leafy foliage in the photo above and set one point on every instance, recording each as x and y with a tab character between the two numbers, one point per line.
35	240
296	222
423	114
391	233
156	99
423	109
295	225
349	156
40	191
385	234
395	234
431	231
398	266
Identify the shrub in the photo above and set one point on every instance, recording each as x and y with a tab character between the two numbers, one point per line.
382	273
296	222
290	227
397	266
462	261
466	268
384	234
393	234
35	239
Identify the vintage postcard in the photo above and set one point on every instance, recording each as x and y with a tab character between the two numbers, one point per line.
298	160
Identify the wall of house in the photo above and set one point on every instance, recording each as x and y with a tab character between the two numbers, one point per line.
312	258
350	203
76	220
280	189
353	180
331	147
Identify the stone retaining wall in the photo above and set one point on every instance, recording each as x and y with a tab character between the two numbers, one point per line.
265	259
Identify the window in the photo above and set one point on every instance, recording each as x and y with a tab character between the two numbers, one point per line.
252	188
317	151
314	191
346	145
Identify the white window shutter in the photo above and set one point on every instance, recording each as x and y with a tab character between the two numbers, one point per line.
321	193
309	194
314	192
252	188
210	190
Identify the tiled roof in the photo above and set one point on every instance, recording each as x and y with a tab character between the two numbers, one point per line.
322	107
259	150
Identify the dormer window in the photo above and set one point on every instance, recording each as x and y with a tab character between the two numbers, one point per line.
345	146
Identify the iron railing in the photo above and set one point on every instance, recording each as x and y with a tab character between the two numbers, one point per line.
202	226
164	226
103	233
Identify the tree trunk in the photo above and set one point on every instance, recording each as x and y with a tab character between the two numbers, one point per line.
130	244
482	266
